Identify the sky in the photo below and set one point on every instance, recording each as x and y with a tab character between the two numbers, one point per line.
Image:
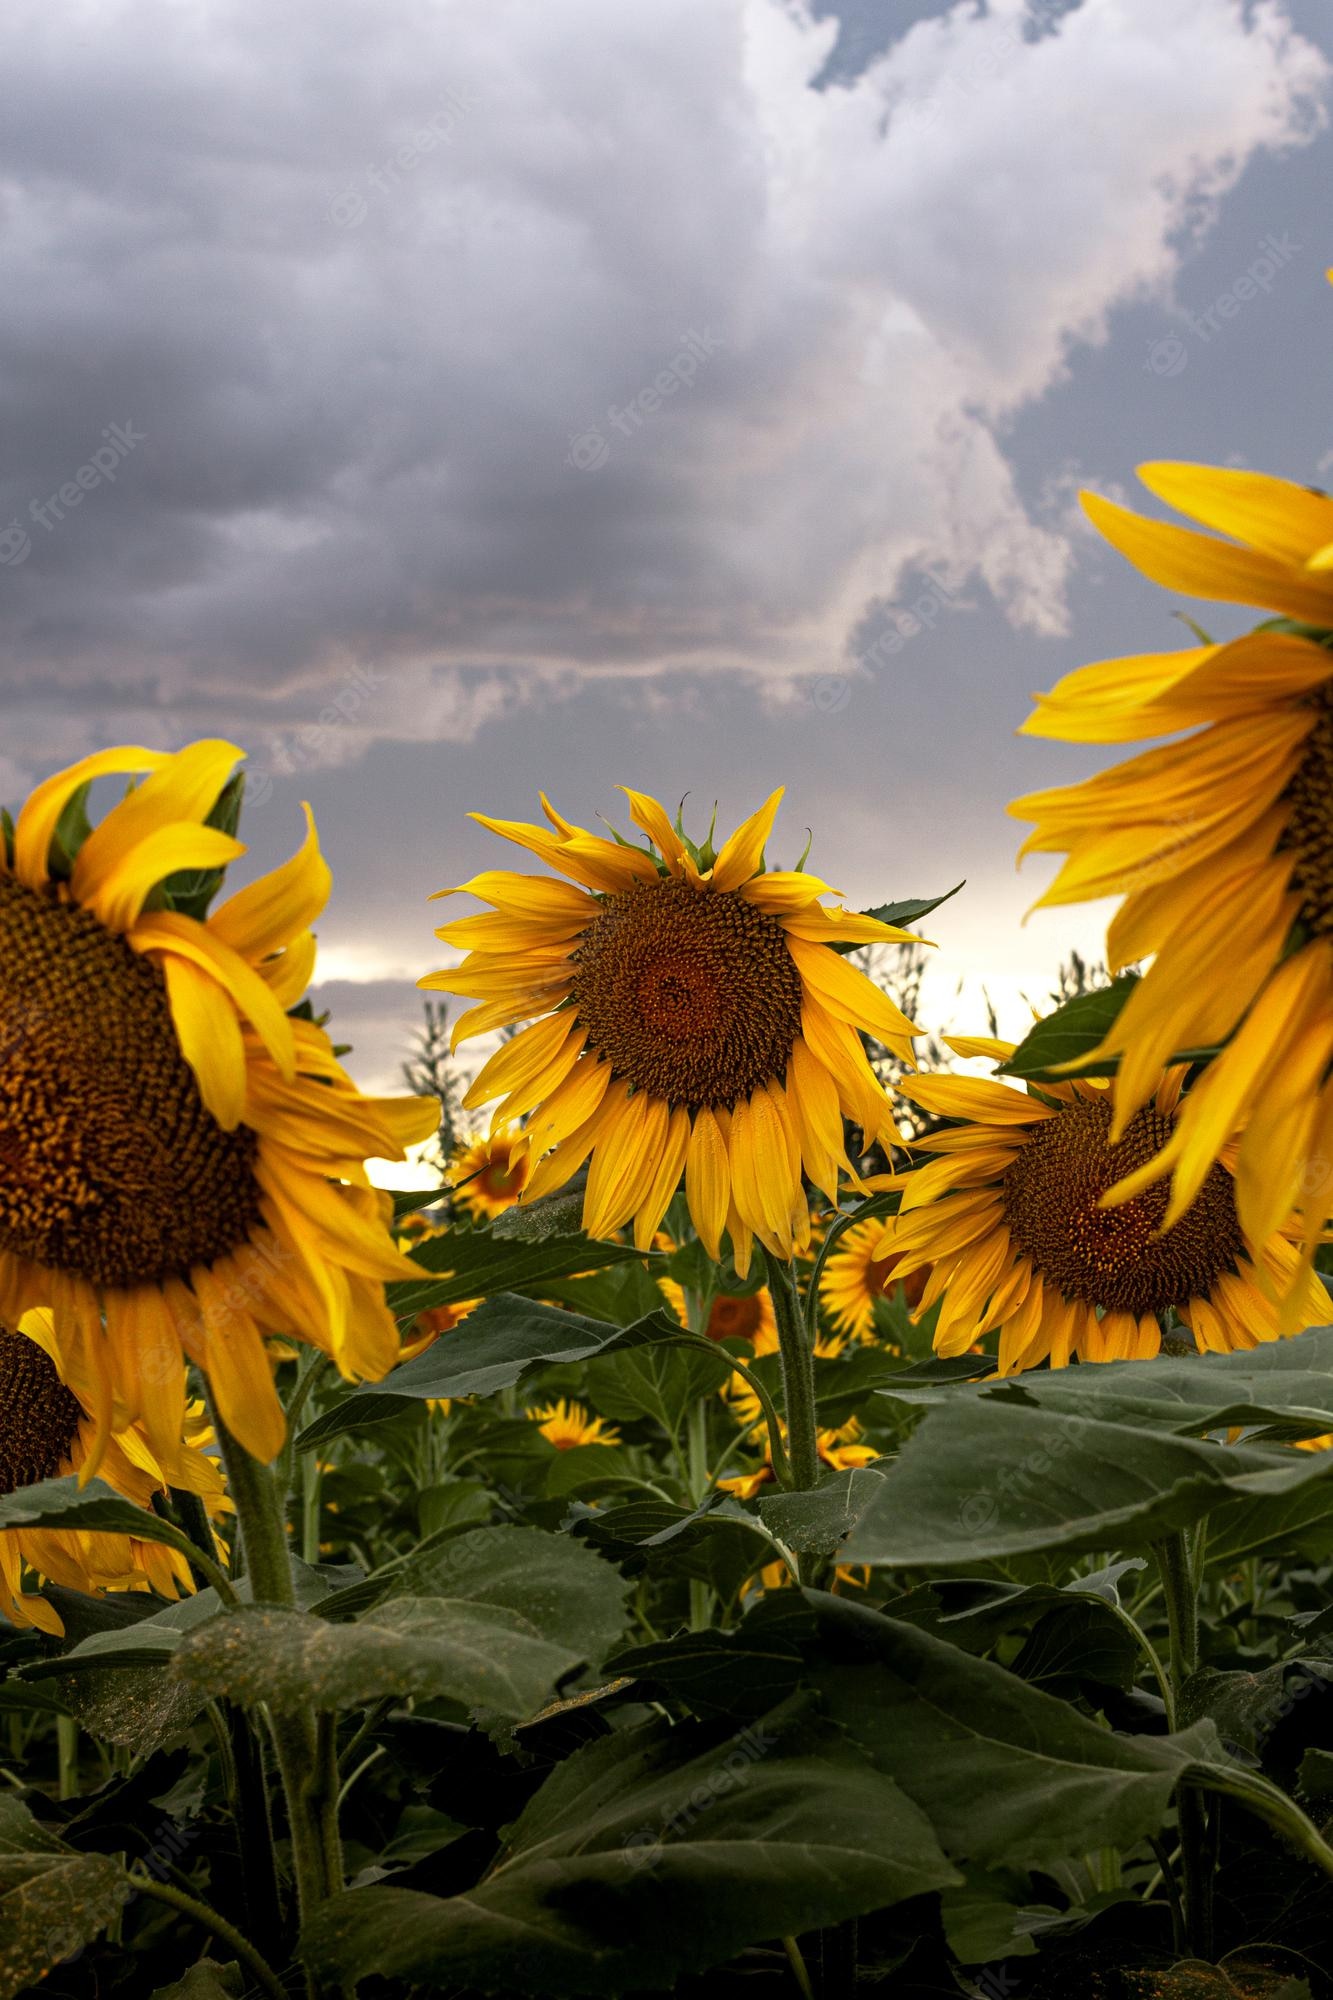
460	402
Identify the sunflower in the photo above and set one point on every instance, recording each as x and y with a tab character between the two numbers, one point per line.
839	1450
1010	1225
1220	843
729	1317
47	1428
184	1156
687	1016
566	1425
854	1277
488	1176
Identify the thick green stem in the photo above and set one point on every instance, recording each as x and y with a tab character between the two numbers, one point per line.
1176	1569
208	1919
1270	1804
302	1759
798	1376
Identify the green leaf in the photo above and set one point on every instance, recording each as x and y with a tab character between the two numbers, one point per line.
494	1347
817	1522
192	890
1246	1707
1316	1774
981	1921
650	1854
205	1981
1070	1034
656	1380
1285	1385
1074	1643
535	1221
983	1478
115	1679
719	1542
52	1900
913	909
493	1619
477	1263
1007	1775
92	1509
715	1674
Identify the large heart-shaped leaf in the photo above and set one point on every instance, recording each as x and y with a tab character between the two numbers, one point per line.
1286	1384
651	1854
52	1900
1006	1774
493	1619
982	1478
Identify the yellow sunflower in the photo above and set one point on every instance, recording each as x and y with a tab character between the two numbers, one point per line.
566	1425
47	1429
688	1016
1010	1225
729	1317
1221	843
488	1176
854	1276
838	1451
184	1158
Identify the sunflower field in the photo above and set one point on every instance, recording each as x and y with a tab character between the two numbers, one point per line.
798	1505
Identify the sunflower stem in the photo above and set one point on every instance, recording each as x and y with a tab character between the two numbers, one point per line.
298	1739
208	1919
798	1375
1175	1566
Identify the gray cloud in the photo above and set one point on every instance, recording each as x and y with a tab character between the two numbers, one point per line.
488	350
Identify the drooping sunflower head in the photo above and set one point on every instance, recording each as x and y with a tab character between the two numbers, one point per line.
47	1429
1011	1227
488	1176
182	1160
690	1014
1220	843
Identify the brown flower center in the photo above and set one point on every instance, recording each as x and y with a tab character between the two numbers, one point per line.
39	1418
1113	1257
690	994
110	1166
735	1319
1309	800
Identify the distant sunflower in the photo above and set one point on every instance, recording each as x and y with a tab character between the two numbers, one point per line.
839	1450
47	1429
566	1425
488	1176
729	1317
691	1019
1221	844
854	1277
182	1155
1010	1226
